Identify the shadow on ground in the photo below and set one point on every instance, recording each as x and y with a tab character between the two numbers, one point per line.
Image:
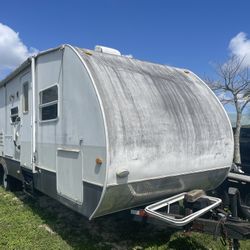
116	231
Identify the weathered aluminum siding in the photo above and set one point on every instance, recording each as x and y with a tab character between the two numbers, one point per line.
82	118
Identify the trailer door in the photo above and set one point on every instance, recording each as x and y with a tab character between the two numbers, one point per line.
12	119
25	117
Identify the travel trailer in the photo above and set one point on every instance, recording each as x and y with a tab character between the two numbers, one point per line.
102	132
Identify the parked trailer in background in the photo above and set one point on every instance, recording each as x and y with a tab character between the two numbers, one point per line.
101	132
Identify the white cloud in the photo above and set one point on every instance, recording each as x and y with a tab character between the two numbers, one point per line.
224	97
240	47
12	50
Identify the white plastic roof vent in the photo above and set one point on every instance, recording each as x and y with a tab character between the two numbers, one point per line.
107	50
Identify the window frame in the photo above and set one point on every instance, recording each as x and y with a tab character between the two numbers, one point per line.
48	103
23	98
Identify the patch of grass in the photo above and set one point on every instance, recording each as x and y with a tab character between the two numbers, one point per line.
45	224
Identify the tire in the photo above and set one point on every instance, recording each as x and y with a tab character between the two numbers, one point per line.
4	179
9	183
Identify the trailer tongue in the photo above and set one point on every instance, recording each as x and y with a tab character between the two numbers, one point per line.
195	211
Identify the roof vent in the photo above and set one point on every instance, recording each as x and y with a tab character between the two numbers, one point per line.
107	50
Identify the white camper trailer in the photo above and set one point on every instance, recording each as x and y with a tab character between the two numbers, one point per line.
102	132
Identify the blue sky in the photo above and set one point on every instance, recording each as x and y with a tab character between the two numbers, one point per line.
189	34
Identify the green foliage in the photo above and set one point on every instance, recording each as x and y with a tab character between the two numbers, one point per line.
45	224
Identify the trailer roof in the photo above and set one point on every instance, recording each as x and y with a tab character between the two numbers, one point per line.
27	62
15	72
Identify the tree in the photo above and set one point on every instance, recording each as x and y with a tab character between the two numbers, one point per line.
233	87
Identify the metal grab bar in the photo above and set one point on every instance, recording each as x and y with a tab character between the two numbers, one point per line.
72	150
179	222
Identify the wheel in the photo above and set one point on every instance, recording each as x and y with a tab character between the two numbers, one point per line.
4	179
9	183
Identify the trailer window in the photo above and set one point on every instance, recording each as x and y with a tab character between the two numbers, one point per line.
14	114
49	104
25	97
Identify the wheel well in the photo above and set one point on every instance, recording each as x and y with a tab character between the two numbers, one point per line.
1	168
